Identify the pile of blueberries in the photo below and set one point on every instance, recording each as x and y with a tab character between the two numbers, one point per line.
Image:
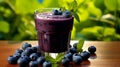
77	57
30	56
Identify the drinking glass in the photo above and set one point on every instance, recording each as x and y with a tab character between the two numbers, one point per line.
54	31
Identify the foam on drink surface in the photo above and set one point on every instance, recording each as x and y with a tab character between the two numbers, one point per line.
49	16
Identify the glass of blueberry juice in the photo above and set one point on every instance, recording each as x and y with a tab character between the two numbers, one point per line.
54	28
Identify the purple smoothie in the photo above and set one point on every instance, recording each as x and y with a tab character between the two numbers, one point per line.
54	32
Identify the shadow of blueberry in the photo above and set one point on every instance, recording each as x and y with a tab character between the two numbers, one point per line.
93	56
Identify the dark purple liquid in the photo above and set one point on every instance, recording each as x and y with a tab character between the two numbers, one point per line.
54	33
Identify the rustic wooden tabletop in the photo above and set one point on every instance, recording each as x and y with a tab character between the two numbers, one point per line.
107	54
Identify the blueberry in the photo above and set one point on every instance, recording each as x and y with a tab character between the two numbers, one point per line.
85	55
27	58
41	60
55	12
19	51
65	62
35	49
33	64
12	60
24	54
73	50
47	64
59	12
23	62
69	56
18	55
92	49
67	14
34	56
77	59
75	45
26	45
27	51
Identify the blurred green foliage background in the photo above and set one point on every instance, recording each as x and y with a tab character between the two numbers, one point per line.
94	19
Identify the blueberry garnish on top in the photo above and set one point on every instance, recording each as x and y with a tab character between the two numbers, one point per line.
55	12
60	12
65	14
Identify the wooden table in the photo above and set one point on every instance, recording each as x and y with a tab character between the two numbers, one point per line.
107	54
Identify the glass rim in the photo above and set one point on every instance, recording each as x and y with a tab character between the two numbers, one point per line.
39	13
44	9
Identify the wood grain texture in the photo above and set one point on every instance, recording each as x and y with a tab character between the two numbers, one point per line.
107	54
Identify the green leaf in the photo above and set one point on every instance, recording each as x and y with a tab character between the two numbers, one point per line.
56	60
80	45
59	57
49	58
111	4
55	65
76	16
74	5
71	5
4	27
